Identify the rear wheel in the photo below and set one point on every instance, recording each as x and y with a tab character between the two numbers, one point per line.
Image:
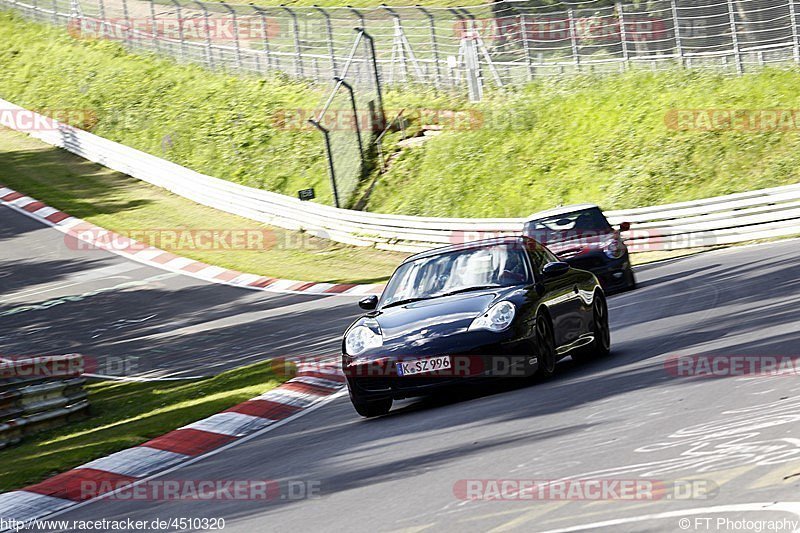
371	408
545	347
601	344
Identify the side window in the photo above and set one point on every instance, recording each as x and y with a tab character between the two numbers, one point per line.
539	256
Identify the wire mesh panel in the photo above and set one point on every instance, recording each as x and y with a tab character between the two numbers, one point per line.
351	118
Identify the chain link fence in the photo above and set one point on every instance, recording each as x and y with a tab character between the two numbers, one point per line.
466	49
351	119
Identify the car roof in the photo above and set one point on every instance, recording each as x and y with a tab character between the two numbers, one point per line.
563	210
509	239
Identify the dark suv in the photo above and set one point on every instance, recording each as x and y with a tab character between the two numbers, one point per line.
581	236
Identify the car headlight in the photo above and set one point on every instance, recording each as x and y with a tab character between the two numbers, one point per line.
614	249
360	339
497	318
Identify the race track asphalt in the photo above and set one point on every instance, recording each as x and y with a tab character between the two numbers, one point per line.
736	439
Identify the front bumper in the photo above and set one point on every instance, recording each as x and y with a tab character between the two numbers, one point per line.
613	274
376	377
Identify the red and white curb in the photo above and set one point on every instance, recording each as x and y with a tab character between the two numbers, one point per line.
154	257
313	384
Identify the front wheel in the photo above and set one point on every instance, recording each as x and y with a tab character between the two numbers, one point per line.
371	408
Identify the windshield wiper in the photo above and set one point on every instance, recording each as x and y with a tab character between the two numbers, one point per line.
467	289
405	301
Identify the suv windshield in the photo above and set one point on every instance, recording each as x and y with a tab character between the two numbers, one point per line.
583	223
460	271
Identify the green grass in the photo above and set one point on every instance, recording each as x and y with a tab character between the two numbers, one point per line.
601	140
128	414
121	203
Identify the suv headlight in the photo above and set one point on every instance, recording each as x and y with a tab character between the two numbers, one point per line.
497	318
360	339
614	249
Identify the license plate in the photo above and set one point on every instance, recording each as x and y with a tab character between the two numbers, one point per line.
421	366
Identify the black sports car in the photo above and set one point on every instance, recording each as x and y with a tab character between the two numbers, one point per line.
490	308
581	236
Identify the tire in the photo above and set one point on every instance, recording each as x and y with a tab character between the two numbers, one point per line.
545	347
630	280
373	408
601	345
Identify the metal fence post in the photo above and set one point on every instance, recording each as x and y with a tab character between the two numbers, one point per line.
331	49
55	12
795	39
209	56
236	45
101	8
677	29
434	46
298	67
355	116
265	34
623	35
331	169
523	24
397	42
735	38
573	37
180	29
376	74
126	14
154	27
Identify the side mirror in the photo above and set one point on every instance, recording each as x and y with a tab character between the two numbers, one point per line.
555	269
625	226
369	303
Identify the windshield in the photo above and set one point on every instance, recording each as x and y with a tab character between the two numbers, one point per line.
470	269
583	223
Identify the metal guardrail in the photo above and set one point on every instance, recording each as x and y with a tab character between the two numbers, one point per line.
507	42
726	219
39	393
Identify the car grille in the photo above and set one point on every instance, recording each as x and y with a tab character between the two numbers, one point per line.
588	261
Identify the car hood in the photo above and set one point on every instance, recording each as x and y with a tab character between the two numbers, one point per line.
421	321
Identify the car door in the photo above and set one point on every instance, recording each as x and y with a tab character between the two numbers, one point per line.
563	298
